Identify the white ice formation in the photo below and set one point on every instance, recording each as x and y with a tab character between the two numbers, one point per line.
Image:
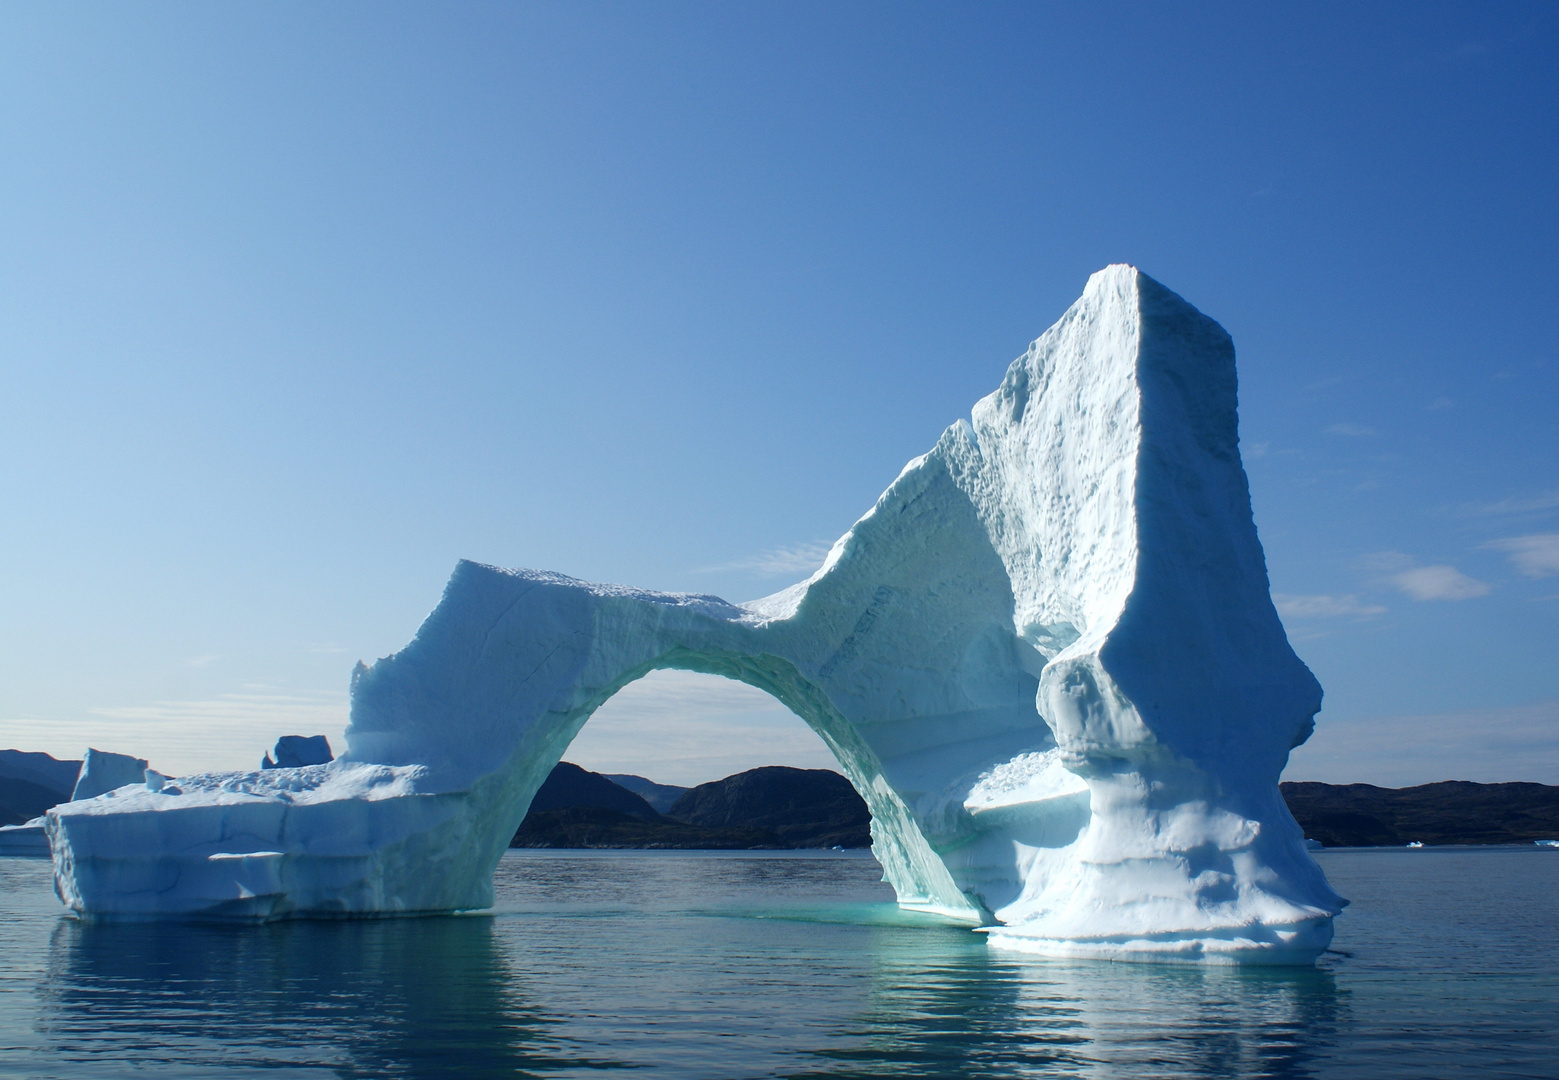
25	839
103	771
1047	658
100	771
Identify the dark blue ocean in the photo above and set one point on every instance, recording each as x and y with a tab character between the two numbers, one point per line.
730	965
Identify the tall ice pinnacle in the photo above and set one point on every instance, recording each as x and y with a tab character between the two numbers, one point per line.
1047	658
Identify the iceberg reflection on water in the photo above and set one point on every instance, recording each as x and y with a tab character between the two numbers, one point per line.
381	997
797	964
716	966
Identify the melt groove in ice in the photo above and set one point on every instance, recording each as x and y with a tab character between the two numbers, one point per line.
1046	657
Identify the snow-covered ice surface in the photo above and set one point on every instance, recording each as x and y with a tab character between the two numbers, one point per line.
1047	658
323	839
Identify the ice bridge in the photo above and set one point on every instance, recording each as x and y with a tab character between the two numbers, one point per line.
1047	659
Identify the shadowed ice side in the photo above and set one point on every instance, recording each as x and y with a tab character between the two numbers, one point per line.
1047	659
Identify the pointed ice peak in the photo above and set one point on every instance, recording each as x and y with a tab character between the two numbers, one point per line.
1124	294
1116	275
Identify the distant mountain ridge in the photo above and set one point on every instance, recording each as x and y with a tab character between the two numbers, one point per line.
31	782
22	800
660	796
772	807
806	808
568	786
817	808
1449	812
40	769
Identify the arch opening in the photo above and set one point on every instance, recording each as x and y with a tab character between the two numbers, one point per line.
910	864
686	728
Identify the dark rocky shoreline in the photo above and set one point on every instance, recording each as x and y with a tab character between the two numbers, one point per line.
1449	812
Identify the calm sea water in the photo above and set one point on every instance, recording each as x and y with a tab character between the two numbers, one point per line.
732	965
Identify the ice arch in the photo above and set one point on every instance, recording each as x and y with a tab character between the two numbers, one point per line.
958	696
1047	657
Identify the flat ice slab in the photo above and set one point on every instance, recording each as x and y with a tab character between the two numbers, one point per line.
28	839
266	844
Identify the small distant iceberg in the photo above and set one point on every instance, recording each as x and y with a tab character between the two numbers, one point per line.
299	751
25	839
102	772
1415	843
1547	843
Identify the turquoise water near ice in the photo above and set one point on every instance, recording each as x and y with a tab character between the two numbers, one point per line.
726	965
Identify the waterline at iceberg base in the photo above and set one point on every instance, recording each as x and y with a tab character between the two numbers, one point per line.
1047	658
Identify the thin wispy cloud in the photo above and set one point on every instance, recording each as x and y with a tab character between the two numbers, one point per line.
226	708
1346	606
1528	504
229	731
1440	404
1536	556
1438	582
795	560
203	661
1357	431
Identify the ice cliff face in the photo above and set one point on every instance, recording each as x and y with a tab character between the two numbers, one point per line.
1047	659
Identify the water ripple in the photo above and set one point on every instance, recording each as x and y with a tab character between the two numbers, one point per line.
725	966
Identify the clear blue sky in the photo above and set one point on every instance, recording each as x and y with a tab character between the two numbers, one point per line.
301	303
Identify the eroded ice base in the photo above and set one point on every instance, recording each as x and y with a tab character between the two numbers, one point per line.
1255	945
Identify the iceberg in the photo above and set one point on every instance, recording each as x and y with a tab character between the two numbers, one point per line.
102	771
293	751
1047	658
25	839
